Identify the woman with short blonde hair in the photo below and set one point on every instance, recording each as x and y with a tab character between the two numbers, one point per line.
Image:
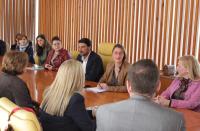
184	92
192	65
63	106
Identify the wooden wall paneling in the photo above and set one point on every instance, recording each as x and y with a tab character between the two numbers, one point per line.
172	30
146	37
1	21
158	29
5	12
143	13
121	18
114	20
130	52
163	38
16	17
197	52
176	31
158	20
109	24
135	31
168	24
179	49
127	29
186	27
191	27
117	22
139	24
182	28
95	28
150	30
154	30
105	23
194	27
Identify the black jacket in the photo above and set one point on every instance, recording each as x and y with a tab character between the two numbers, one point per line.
29	51
75	117
94	67
16	90
13	46
2	48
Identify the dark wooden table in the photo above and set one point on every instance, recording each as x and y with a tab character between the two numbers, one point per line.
38	81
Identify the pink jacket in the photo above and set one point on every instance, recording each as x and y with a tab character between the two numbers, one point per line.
192	95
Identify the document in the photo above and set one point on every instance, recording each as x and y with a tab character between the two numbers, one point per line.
95	89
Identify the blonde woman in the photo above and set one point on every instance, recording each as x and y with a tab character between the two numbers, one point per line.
184	92
63	106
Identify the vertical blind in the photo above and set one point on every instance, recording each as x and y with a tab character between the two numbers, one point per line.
17	16
161	30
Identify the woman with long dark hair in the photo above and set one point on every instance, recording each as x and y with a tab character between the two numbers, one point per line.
42	49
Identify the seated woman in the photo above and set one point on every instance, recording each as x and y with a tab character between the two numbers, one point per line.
57	55
26	46
42	49
11	86
114	79
184	91
63	106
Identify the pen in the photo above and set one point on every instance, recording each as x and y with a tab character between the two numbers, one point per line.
100	86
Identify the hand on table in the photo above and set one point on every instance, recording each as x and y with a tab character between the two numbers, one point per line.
94	110
162	100
103	86
48	66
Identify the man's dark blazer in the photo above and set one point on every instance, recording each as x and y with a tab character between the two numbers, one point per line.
94	67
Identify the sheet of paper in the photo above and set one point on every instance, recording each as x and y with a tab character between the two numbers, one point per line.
95	89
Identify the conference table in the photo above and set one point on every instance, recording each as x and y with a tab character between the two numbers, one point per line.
39	80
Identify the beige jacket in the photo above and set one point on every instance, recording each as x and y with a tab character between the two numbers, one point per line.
122	77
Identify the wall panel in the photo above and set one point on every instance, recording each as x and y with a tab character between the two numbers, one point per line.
17	16
158	29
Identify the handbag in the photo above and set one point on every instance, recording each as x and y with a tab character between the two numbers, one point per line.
17	118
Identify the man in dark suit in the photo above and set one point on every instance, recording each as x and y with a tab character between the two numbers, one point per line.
139	112
92	62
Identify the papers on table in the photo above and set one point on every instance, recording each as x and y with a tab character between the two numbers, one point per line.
95	89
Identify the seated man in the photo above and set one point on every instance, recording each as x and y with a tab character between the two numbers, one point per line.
91	62
139	113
